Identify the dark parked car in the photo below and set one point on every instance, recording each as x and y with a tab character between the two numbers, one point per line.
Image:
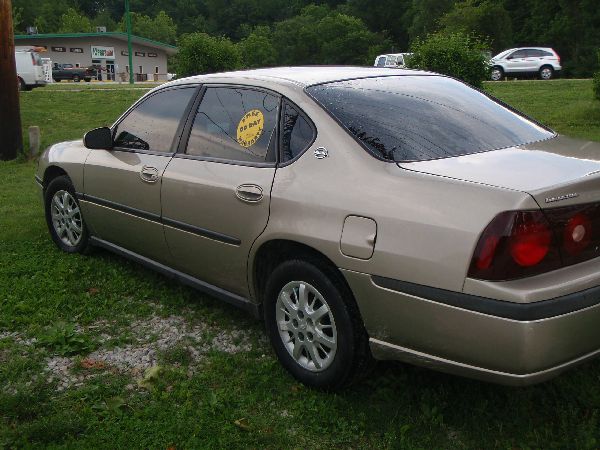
69	72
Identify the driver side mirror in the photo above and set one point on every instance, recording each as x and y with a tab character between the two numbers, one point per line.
98	139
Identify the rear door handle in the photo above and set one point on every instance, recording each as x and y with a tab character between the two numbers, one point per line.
149	174
250	193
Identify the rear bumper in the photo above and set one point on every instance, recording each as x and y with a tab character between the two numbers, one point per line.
503	342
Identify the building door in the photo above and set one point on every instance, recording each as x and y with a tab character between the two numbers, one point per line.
110	70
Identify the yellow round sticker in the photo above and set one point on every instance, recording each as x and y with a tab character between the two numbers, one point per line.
250	128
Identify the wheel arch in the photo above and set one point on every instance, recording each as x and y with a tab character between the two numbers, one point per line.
51	173
273	252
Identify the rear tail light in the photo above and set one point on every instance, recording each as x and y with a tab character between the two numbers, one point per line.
522	243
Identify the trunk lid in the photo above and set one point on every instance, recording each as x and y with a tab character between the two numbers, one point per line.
556	172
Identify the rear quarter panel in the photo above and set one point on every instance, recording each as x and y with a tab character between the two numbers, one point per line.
427	226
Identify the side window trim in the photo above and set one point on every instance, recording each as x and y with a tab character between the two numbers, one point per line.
180	127
185	137
301	112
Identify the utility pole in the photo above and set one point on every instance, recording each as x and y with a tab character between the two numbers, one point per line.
11	140
129	49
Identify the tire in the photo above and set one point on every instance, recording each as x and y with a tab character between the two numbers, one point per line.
327	352
87	80
497	73
64	217
76	79
21	84
546	73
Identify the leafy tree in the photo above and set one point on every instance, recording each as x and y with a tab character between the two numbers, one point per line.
597	80
104	19
160	28
201	53
17	17
456	54
486	18
257	48
383	16
321	36
74	22
422	16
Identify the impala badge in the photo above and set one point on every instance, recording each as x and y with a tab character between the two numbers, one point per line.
321	152
558	198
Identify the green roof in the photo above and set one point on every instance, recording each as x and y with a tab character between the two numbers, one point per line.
114	34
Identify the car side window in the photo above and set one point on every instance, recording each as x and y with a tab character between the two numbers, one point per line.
152	124
235	124
297	132
532	53
518	54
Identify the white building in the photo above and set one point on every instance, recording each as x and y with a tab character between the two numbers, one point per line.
105	50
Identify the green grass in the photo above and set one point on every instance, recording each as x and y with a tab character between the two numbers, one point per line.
68	302
567	106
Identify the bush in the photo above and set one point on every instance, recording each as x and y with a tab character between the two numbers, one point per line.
456	54
597	81
200	53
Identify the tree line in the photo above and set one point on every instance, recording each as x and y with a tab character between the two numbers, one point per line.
277	32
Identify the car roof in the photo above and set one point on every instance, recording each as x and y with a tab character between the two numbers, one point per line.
300	76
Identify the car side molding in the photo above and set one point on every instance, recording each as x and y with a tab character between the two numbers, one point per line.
523	312
221	294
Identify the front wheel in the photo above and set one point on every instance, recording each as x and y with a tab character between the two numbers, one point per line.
546	73
87	80
21	86
314	325
76	78
497	74
64	217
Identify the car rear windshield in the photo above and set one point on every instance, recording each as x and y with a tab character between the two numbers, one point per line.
418	118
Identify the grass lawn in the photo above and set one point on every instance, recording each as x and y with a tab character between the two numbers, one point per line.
77	334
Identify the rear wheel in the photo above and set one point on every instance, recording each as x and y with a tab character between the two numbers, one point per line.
21	84
497	73
314	325
87	80
64	217
546	73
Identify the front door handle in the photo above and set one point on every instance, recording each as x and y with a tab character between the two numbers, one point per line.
149	174
250	193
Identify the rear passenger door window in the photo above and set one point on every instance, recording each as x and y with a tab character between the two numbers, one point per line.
152	125
297	132
235	124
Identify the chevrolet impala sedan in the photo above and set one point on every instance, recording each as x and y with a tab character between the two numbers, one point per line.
363	213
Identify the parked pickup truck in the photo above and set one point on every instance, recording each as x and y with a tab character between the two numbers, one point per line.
69	72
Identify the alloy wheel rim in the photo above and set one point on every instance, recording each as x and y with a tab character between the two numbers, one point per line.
546	74
306	326
66	218
496	75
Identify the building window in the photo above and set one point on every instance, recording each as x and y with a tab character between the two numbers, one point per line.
59	49
76	50
152	55
155	69
141	69
140	54
127	69
76	64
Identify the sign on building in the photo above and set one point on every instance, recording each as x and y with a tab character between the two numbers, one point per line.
103	52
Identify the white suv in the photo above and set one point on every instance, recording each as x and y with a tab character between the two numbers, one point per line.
542	60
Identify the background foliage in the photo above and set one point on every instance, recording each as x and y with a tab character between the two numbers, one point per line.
456	54
275	32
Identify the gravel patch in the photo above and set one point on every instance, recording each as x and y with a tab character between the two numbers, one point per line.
152	336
